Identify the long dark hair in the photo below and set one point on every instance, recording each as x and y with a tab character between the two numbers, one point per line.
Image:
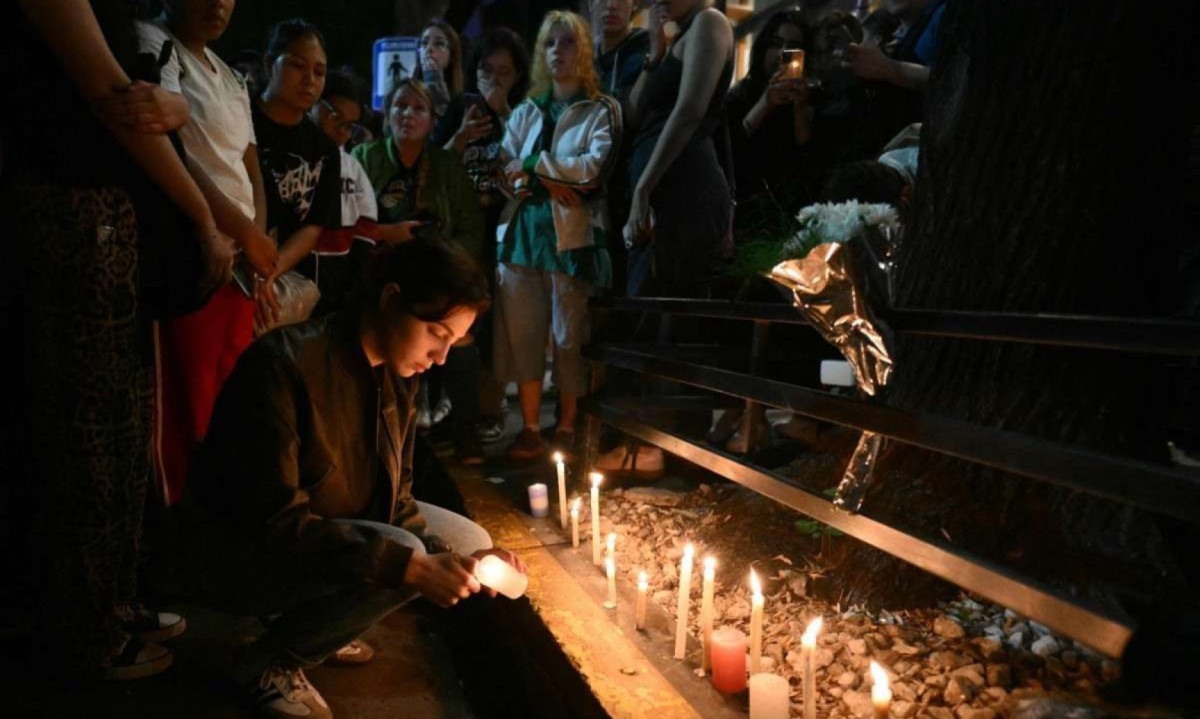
497	40
454	71
765	38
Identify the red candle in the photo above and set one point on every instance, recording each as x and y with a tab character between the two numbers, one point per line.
728	660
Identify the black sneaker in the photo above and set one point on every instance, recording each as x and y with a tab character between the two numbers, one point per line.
150	625
284	693
137	659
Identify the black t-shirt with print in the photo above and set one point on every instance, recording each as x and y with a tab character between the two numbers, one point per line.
481	159
301	173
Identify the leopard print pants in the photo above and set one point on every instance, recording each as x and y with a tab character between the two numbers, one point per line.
88	380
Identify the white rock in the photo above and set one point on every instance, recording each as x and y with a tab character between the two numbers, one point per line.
1045	646
1016	640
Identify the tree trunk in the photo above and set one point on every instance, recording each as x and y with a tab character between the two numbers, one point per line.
1052	181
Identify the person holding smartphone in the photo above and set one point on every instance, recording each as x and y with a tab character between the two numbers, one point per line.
768	111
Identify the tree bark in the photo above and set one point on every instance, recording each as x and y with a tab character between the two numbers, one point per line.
1052	180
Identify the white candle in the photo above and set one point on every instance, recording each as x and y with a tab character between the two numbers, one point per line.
562	489
494	572
639	612
706	612
610	545
596	478
610	568
575	523
881	693
539	503
768	697
808	650
685	590
756	623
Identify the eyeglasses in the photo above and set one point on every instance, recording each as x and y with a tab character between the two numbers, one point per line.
357	131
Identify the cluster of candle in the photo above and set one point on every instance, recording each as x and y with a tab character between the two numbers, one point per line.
726	653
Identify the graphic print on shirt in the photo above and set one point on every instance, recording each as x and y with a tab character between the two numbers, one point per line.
296	181
398	191
482	163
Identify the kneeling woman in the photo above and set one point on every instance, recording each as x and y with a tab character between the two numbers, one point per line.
560	144
301	500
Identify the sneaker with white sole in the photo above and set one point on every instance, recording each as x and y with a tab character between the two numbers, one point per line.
284	693
150	625
137	659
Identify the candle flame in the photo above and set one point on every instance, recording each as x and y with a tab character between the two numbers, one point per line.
610	564
596	478
558	458
810	633
880	691
643	580
575	506
755	587
612	542
688	552
710	566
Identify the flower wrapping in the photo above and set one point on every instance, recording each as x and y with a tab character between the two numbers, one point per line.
835	265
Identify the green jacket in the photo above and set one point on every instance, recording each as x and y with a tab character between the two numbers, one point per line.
448	194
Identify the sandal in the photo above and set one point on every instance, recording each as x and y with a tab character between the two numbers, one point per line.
633	460
354	654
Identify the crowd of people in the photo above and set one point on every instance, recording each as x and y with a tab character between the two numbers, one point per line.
226	282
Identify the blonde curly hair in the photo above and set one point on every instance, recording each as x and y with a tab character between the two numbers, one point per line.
584	60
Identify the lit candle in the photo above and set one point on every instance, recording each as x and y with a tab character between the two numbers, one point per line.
706	611
756	622
539	503
728	660
575	523
596	478
610	545
808	650
639	611
494	572
881	693
685	590
562	489
610	568
768	697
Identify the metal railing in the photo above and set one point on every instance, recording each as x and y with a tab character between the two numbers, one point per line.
1163	489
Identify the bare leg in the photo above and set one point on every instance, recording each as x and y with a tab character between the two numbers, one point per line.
530	396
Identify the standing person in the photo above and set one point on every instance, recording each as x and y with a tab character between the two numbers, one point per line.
80	189
301	507
197	351
560	144
416	180
682	208
769	116
620	53
301	167
441	58
682	204
473	127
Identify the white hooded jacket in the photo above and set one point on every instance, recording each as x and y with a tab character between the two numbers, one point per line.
582	153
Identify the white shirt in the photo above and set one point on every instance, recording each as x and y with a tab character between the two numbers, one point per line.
219	129
358	197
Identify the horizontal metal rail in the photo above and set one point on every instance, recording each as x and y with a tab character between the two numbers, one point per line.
1089	626
1156	336
1158	488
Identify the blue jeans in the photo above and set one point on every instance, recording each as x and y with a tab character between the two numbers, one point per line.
314	620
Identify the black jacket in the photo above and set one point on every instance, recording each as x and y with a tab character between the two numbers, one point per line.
306	431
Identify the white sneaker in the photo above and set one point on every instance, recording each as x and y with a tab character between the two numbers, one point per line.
284	693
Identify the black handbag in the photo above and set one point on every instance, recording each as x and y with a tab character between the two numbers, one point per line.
171	263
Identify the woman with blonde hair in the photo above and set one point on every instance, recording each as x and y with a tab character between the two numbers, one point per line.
559	145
